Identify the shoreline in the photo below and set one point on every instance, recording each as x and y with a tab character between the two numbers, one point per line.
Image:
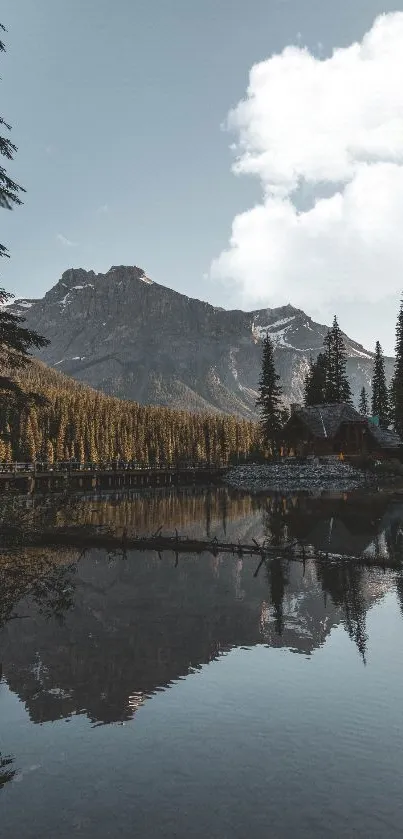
313	478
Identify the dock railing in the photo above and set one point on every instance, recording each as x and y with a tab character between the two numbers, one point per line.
67	466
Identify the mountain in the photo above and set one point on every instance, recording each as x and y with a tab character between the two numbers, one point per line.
124	334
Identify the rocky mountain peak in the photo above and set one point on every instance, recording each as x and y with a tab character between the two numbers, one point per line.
131	272
136	339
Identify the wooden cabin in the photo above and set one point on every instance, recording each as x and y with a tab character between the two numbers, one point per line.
337	428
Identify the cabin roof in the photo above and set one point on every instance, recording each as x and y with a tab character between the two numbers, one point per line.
324	420
385	438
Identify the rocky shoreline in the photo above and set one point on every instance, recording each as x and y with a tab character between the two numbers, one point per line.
313	476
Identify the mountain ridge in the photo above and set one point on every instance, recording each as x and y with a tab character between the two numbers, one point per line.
125	334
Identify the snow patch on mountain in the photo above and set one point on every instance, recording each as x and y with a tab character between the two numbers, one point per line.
360	353
18	305
261	331
232	363
277	331
73	358
24	304
67	299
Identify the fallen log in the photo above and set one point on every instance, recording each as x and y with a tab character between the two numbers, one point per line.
85	538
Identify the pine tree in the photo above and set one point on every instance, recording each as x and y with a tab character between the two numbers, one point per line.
363	403
50	455
81	451
380	398
29	450
9	190
15	341
337	385
315	382
269	400
397	380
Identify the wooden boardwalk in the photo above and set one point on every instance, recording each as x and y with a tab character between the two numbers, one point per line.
43	477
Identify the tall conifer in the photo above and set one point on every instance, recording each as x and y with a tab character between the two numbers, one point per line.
269	399
337	387
315	382
363	406
380	398
397	380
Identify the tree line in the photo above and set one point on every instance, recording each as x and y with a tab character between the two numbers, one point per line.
66	420
327	381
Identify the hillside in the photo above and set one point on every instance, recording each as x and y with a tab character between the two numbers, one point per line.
130	337
82	423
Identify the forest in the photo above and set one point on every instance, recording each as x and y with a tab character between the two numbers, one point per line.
70	420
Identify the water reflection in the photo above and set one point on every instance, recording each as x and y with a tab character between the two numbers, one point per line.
99	635
45	577
7	772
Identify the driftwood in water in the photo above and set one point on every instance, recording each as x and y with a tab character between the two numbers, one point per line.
85	538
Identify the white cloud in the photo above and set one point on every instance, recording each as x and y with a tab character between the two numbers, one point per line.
103	209
307	122
66	242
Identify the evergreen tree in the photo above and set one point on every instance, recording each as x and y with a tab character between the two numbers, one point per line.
363	403
315	381
49	452
380	397
15	341
9	190
397	380
337	385
391	399
269	400
308	383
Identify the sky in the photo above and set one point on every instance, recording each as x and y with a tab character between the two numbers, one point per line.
245	153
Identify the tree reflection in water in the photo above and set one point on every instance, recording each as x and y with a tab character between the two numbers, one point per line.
43	576
345	582
6	772
331	528
124	629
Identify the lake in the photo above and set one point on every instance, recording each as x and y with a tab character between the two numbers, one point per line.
204	696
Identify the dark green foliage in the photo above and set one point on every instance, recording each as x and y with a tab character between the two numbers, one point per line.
396	390
15	341
363	406
327	380
285	414
269	401
9	191
337	384
380	397
315	382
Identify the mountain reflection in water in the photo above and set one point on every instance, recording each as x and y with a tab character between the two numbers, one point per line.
97	635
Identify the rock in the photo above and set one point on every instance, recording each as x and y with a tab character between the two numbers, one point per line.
285	477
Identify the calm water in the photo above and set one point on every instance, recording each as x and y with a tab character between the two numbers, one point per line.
209	697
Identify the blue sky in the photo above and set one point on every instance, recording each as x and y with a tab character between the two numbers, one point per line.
117	110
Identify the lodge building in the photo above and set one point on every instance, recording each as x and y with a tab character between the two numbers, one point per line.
337	428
